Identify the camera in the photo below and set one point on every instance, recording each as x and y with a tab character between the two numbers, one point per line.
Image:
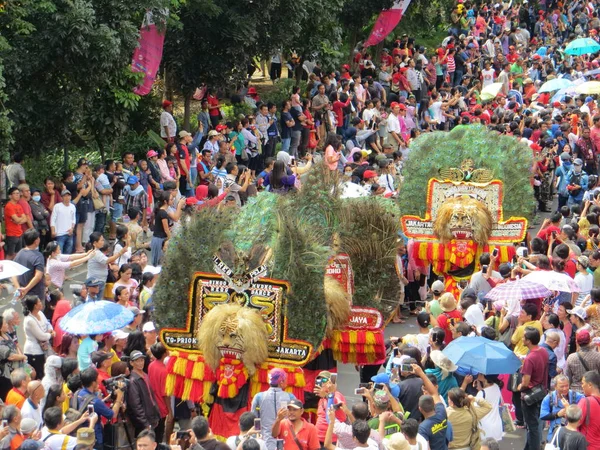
115	383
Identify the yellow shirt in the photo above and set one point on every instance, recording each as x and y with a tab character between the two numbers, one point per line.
517	337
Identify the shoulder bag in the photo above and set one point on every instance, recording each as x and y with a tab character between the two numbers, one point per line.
553	444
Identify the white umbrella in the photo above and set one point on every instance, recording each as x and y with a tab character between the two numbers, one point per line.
9	269
491	91
554	281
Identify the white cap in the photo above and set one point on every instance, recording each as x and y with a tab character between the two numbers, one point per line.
148	326
119	334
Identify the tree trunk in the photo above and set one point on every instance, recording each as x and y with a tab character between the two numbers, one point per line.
168	86
186	110
102	151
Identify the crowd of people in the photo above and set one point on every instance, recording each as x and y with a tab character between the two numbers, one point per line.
63	392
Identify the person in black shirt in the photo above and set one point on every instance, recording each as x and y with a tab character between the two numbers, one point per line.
568	438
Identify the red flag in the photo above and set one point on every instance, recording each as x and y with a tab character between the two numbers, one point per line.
387	21
148	54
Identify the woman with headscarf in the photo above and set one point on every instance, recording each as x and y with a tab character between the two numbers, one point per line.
443	372
52	374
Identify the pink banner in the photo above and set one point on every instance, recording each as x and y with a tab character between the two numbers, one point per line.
147	56
386	22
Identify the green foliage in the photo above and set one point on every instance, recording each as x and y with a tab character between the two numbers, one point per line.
38	167
368	230
66	69
234	111
509	160
423	19
190	250
282	90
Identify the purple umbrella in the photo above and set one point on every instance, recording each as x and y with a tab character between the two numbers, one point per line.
518	290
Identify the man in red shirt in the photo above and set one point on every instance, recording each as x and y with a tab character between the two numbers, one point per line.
449	317
14	217
294	430
590	409
24	202
535	375
213	107
102	361
595	132
157	374
184	161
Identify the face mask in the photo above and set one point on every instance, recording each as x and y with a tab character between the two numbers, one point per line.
36	198
567	163
577	169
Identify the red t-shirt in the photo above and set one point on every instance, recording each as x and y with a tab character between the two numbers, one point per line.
13	229
591	431
544	233
536	366
322	415
445	319
185	155
213	101
27	210
307	436
157	372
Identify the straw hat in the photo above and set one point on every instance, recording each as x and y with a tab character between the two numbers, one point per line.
442	361
397	441
447	302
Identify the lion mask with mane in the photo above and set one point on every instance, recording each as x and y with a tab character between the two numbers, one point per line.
463	218
235	332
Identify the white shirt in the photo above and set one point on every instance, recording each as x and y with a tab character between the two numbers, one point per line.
421	444
166	120
491	423
438	116
231	442
29	412
63	218
55	442
393	124
488	77
585	281
36	331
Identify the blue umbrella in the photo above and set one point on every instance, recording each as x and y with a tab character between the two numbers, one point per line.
582	46
482	355
555	85
96	318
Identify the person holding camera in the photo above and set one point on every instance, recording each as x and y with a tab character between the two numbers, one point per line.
141	406
87	397
326	389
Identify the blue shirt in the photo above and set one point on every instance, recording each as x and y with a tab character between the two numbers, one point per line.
434	428
86	347
100	408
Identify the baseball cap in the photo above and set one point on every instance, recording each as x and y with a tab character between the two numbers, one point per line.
120	334
99	357
579	312
504	270
589	99
324	374
213	133
584	261
578	162
86	436
583	337
295	404
93	282
556	104
151	154
369	174
65	192
184	133
565	156
148	326
394	105
166	103
132	179
136	354
437	287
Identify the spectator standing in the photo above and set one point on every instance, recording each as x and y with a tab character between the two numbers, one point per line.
32	281
205	437
247	431
326	389
136	196
31	408
535	376
15	173
141	406
590	407
568	437
17	395
555	404
434	427
267	404
168	126
157	376
38	333
14	218
292	428
88	395
464	411
582	361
